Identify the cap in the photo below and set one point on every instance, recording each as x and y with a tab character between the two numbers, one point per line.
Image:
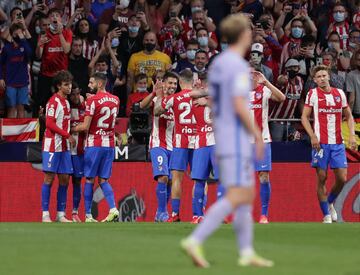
257	47
292	62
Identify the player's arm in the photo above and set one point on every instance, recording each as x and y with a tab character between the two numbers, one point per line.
158	108
146	102
350	122
83	126
276	94
51	125
305	120
202	101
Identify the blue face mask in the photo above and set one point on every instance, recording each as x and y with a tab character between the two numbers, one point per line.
115	42
133	29
297	32
190	54
224	46
203	41
339	16
195	9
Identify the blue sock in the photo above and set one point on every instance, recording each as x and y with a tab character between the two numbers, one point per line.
88	196
45	196
220	191
332	197
175	204
168	193
76	196
199	192
61	197
324	207
204	202
161	193
265	191
108	193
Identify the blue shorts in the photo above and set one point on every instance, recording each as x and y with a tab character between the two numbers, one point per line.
160	160
180	158
57	162
78	165
265	163
203	162
17	96
98	162
333	154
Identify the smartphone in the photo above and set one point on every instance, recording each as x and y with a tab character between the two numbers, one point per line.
18	16
39	2
172	14
258	25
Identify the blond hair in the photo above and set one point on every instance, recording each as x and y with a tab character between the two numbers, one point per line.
233	26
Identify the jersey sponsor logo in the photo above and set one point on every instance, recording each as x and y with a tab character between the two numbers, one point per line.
255	106
107	99
101	132
206	129
188	130
168	117
293	96
55	49
330	111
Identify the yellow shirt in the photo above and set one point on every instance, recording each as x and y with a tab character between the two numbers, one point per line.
148	64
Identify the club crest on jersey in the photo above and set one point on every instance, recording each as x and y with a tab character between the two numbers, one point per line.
258	95
337	98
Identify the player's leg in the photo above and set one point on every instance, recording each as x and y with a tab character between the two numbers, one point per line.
11	101
78	165
22	99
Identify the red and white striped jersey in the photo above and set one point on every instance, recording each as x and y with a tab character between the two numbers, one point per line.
259	110
103	108
162	130
57	125
77	116
327	109
343	32
204	130
90	50
185	123
293	93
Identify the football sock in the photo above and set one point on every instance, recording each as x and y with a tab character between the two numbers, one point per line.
332	197
198	199
243	226
161	194
213	219
265	191
88	196
76	196
175	205
220	190
45	196
61	197
168	195
324	207
108	193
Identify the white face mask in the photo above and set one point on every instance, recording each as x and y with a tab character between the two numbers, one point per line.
37	30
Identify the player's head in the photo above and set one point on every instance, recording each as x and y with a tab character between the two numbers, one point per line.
141	82
170	82
321	76
186	79
62	82
97	82
75	96
236	29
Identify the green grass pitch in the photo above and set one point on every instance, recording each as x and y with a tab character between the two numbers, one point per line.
146	249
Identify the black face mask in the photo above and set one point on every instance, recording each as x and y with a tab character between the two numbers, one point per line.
292	74
16	39
149	47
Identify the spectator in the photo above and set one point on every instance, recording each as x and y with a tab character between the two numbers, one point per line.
85	31
205	42
256	59
139	93
353	85
340	24
354	40
291	86
189	61
253	7
15	57
78	65
343	56
147	61
197	10
17	17
52	48
306	56
201	62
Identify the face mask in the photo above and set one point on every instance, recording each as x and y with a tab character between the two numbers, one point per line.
52	27
105	72
37	30
115	42
149	47
203	41
331	46
141	89
124	4
133	29
352	44
255	58
292	74
195	9
297	32
190	54
339	16
16	39
224	46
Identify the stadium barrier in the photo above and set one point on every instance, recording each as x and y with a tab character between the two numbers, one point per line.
293	194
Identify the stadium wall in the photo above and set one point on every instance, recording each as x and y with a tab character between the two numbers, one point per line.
293	193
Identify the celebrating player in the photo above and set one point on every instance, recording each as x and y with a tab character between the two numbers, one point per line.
99	121
329	105
229	85
184	137
259	106
161	144
56	158
77	106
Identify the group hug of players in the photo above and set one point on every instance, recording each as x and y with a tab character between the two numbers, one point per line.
79	141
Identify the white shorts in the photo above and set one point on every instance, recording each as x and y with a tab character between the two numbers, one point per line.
236	170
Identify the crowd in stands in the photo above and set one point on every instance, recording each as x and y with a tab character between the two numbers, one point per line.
134	42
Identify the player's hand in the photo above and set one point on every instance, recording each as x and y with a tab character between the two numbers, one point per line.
352	142
202	101
72	142
315	143
158	88
259	77
2	84
259	147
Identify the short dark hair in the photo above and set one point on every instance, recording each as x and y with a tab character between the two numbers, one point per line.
102	59
201	51
307	40
333	33
53	10
14	9
60	77
14	27
296	19
75	85
171	75
319	68
186	75
139	77
193	42
201	29
100	77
